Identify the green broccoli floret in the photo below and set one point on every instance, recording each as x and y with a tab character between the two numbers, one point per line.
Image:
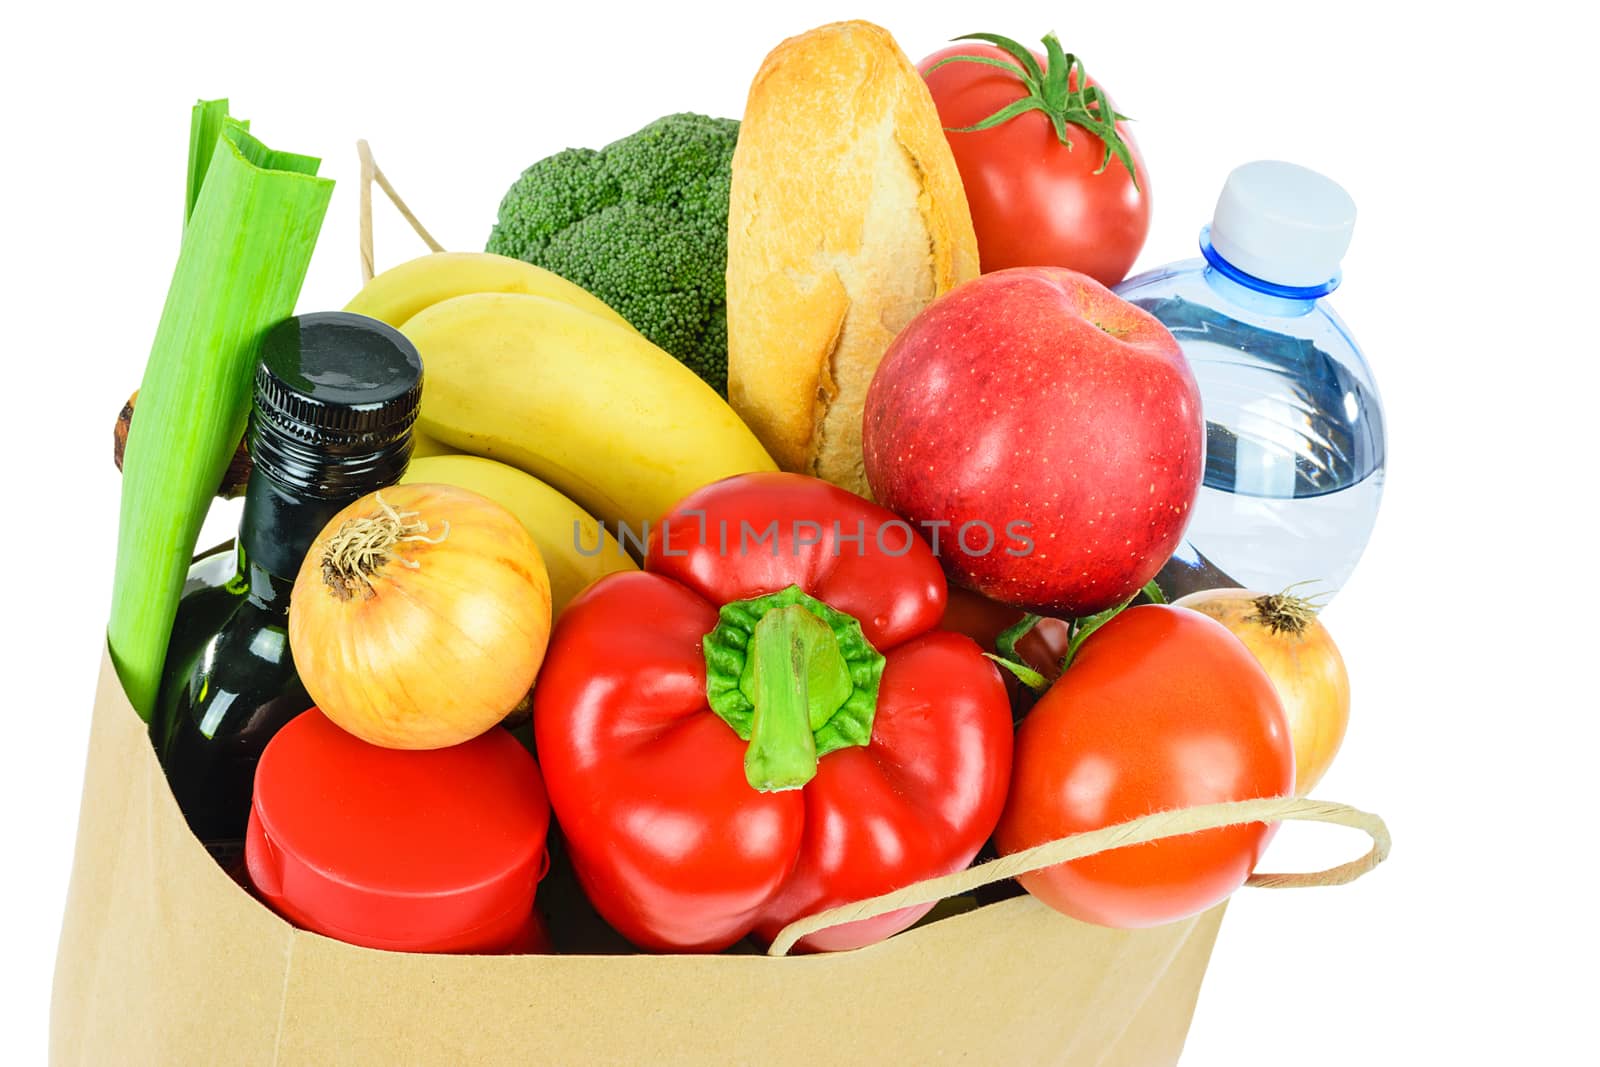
643	225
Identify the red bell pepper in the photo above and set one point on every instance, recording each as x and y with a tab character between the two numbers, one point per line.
766	721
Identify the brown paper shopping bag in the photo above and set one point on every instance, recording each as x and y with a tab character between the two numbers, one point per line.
165	960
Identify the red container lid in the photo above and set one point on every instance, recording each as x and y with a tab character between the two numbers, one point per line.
433	851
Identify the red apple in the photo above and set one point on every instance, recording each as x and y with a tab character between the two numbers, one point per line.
1046	430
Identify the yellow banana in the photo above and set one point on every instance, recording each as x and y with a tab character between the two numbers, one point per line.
400	292
576	549
423	446
589	407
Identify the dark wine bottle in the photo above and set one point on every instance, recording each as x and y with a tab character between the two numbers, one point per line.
335	398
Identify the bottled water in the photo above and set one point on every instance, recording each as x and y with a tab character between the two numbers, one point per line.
1294	427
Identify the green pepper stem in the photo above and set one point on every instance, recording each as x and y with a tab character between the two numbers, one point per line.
841	676
800	679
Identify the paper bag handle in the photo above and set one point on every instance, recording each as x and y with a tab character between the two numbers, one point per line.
1153	827
369	174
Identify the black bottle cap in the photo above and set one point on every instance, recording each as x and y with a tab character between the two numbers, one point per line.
339	380
336	395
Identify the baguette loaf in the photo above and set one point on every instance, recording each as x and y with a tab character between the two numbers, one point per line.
846	218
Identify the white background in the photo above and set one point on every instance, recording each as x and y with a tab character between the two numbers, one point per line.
1465	141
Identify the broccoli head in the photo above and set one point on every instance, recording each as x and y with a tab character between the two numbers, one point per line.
643	225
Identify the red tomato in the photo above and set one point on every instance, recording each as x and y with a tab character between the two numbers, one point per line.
1034	201
983	620
1161	708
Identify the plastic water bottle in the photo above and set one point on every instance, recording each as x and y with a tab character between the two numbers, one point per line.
1294	428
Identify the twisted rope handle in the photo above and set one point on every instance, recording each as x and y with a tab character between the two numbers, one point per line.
369	174
1138	831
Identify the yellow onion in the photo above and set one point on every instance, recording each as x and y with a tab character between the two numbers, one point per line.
420	616
1284	634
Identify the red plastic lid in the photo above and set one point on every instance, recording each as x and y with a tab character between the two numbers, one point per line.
425	851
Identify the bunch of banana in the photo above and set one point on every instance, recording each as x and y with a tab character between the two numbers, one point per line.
576	549
522	366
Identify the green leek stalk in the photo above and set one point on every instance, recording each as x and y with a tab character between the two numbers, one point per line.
205	128
243	259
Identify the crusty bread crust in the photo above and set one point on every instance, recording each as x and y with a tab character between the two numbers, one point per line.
847	217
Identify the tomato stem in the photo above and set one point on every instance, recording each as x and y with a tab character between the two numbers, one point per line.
1060	91
1006	642
1082	628
1022	672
